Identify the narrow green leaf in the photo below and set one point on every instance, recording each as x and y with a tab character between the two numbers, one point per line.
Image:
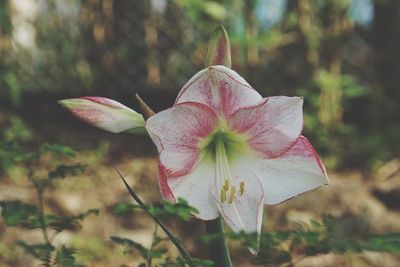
219	48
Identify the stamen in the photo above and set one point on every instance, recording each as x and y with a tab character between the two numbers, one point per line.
223	195
241	190
232	194
226	185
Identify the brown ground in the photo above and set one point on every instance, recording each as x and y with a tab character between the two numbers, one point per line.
349	194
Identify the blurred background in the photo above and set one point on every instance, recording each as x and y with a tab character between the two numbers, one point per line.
343	56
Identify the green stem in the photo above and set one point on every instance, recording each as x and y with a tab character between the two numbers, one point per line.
171	237
149	259
218	250
42	216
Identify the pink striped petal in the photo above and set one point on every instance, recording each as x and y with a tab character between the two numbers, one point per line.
179	162
220	88
297	171
272	126
166	192
177	131
104	113
195	189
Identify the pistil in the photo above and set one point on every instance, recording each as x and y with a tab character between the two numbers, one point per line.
223	173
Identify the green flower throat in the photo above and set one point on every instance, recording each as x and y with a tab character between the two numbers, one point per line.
223	141
221	147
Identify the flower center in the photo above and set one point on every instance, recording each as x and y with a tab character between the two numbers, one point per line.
222	147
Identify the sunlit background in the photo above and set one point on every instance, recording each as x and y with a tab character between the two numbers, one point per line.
343	56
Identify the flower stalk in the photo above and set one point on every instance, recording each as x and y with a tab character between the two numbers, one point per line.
218	249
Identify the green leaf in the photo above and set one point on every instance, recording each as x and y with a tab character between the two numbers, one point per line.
65	257
144	252
165	209
219	49
58	149
388	242
38	251
272	256
62	171
61	223
195	262
15	153
124	208
250	240
16	213
168	209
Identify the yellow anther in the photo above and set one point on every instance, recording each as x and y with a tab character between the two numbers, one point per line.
232	194
226	185
241	190
223	195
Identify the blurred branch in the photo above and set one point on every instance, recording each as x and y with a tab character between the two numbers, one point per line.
153	243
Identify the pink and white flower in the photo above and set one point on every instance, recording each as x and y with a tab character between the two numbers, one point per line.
223	147
227	150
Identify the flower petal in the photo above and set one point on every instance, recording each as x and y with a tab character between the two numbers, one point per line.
245	212
165	191
195	189
297	171
272	126
105	113
177	131
220	88
179	163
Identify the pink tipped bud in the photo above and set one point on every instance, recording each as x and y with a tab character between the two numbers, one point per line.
105	113
219	48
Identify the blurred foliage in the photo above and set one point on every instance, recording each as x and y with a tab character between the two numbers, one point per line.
144	252
339	235
15	212
334	234
30	216
341	55
65	258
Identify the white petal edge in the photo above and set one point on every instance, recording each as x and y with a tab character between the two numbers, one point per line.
298	171
195	189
